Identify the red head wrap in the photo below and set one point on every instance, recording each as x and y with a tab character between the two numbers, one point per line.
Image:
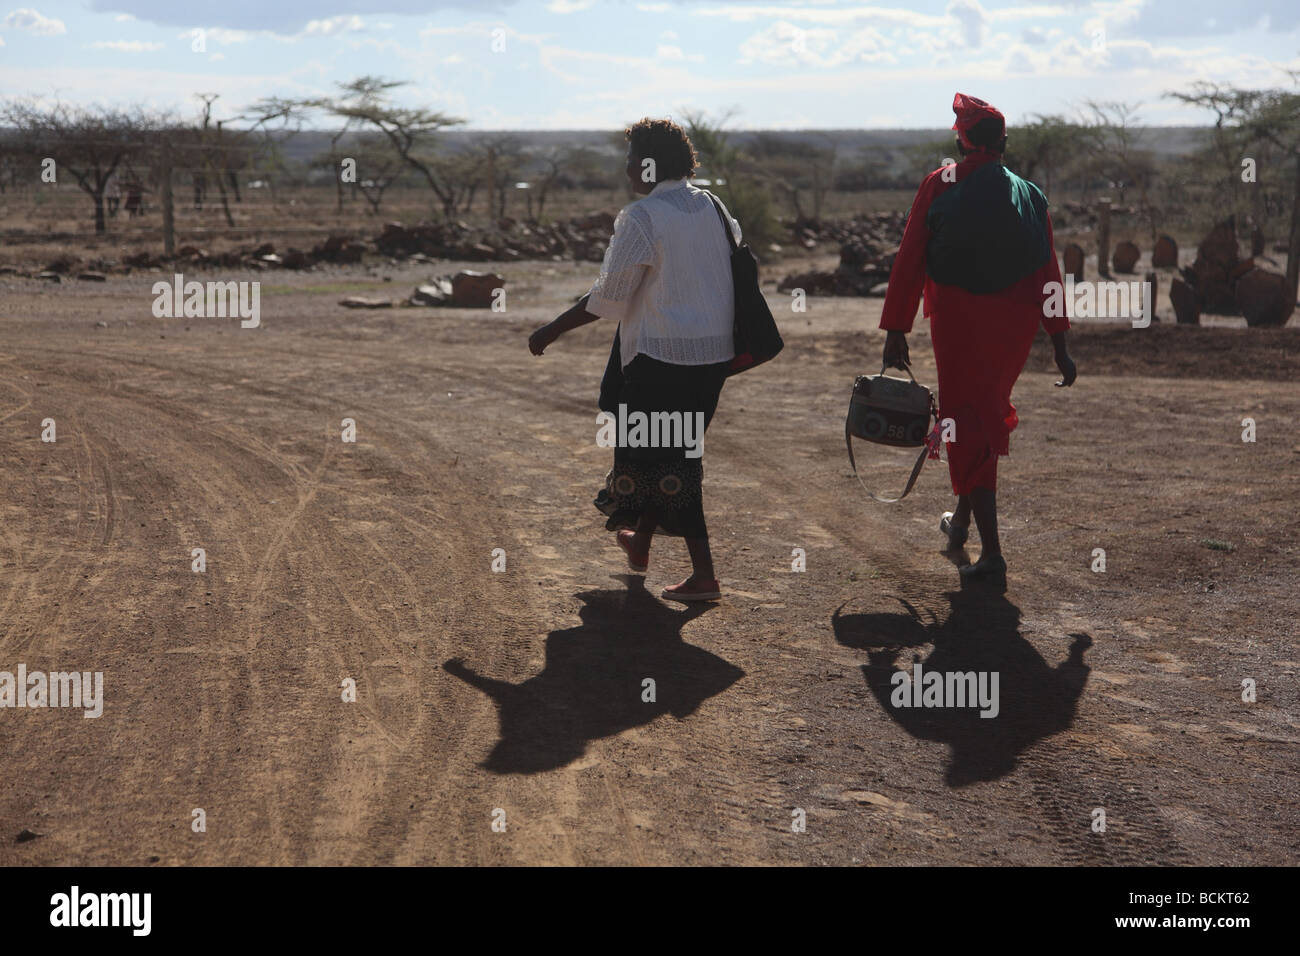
970	110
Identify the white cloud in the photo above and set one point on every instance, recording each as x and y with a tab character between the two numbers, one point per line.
784	44
220	35
743	13
665	52
28	19
332	26
569	6
974	21
126	46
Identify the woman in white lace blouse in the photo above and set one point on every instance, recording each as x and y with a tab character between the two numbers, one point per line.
666	278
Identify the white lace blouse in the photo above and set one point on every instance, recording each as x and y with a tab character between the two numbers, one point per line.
667	278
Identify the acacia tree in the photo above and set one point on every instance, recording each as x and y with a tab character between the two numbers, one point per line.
1046	145
550	164
88	142
1110	135
272	121
365	102
501	156
736	177
798	168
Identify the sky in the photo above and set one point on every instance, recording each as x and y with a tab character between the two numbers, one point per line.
596	64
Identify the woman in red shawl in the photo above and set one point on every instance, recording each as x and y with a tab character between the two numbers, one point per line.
983	328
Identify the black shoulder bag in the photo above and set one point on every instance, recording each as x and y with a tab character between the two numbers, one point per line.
757	339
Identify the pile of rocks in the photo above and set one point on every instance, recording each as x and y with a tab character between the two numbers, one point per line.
868	244
338	249
582	240
1221	282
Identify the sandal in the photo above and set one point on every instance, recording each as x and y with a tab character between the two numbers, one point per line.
957	533
699	591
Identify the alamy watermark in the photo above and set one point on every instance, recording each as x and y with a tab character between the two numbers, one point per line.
651	430
75	908
1100	300
922	688
179	299
55	689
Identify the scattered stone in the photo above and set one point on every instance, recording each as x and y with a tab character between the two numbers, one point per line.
1165	254
26	835
1074	257
142	260
1125	257
474	290
1187	308
49	276
359	302
341	249
63	264
101	324
436	293
1210	274
1240	269
92	277
1264	299
602	222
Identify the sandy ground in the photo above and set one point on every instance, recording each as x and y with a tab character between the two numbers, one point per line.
522	690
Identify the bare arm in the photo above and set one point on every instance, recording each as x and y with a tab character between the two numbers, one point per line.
567	321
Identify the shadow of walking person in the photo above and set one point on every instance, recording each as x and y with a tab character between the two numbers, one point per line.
1025	699
592	684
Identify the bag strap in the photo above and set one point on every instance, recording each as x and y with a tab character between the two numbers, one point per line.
911	479
726	226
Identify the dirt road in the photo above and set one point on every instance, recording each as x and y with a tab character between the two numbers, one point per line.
522	690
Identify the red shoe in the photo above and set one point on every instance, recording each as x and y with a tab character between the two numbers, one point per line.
699	591
638	561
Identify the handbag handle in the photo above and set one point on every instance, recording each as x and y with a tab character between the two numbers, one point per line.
906	369
726	226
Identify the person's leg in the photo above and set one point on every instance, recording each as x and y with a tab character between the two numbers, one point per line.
961	516
645	531
708	391
701	560
984	505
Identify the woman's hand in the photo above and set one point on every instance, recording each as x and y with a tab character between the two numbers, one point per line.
539	340
895	354
1063	361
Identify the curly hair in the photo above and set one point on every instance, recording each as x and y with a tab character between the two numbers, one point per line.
667	144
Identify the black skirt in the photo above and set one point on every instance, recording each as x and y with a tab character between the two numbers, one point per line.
665	480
